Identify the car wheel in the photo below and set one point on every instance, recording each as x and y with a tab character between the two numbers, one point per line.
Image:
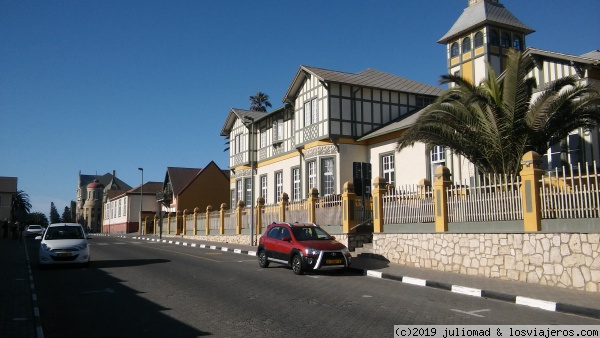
263	262
297	265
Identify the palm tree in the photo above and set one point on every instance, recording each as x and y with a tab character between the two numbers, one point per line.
259	102
20	206
495	124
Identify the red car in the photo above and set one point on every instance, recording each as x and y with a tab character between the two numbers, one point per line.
303	246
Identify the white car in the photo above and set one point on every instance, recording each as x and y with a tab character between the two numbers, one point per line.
34	230
64	243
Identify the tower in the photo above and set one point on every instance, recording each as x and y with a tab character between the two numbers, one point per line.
482	35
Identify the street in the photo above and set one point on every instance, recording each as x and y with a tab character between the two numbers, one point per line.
152	289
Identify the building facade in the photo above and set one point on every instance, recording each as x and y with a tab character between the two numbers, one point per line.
8	187
89	213
122	208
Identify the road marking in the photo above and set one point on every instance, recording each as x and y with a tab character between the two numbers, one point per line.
367	296
472	313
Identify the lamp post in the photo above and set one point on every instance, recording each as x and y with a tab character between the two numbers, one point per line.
251	157
141	199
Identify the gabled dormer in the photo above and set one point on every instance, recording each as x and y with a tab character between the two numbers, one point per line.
482	35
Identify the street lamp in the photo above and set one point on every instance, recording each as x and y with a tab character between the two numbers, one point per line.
141	198
251	121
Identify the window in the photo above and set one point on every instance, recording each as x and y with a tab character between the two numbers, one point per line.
454	50
278	185
424	101
119	213
478	41
517	43
278	130
494	38
312	174
311	112
296	195
263	187
466	45
327	169
387	168
505	40
125	207
240	192
263	137
438	157
233	204
565	153
248	195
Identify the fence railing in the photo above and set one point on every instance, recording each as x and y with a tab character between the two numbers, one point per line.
490	198
408	204
571	193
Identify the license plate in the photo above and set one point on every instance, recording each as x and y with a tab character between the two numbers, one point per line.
63	254
333	261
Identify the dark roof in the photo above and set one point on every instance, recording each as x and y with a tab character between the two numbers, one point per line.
367	78
180	177
106	180
149	188
484	13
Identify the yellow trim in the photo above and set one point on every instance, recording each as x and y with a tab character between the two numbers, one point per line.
467	71
455	60
479	50
277	159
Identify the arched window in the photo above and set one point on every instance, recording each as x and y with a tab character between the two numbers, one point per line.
517	43
466	45
478	42
494	38
505	40
454	50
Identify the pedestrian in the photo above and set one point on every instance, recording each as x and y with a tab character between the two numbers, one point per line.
21	228
5	228
13	231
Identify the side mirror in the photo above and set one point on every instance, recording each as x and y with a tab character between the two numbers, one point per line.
286	238
332	237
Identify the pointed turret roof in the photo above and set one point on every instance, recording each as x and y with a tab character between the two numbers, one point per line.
481	13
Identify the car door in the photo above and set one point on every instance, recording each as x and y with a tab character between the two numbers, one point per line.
284	244
270	242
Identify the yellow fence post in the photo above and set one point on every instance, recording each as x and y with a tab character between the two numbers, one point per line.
222	212
155	221
196	210
239	211
209	210
348	208
168	223
531	174
440	201
313	199
379	189
282	206
184	222
260	205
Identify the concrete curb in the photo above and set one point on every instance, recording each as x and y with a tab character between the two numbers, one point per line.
515	299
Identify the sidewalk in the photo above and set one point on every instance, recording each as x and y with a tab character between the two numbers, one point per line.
17	317
549	298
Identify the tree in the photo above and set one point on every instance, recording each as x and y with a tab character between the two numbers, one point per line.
495	124
259	102
19	206
37	218
66	216
54	216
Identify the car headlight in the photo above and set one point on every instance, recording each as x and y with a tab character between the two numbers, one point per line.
345	250
82	246
45	247
312	252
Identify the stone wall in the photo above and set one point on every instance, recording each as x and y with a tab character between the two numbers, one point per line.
567	260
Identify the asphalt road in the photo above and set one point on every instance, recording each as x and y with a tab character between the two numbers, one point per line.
148	289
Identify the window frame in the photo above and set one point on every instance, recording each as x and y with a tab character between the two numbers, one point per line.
466	42
311	174
296	184
264	184
454	50
478	40
278	176
328	178
388	173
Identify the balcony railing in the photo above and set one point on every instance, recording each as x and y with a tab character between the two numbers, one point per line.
164	196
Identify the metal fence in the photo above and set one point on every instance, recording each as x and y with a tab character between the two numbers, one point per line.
328	211
489	198
408	204
571	193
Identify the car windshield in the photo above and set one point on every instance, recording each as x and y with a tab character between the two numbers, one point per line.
64	232
310	233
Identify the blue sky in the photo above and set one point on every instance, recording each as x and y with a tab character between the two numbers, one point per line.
96	86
